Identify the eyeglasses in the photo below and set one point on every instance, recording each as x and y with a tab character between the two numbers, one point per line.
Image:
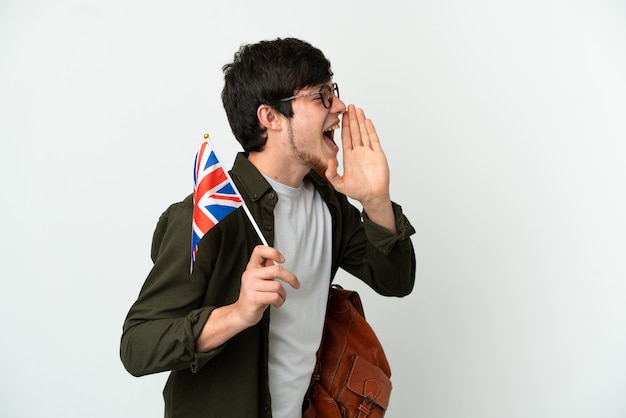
326	92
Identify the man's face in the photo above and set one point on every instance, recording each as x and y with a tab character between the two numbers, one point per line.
311	130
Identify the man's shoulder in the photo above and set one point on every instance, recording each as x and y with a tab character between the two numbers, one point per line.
180	207
181	211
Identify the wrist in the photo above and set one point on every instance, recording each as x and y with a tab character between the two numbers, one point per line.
377	206
382	214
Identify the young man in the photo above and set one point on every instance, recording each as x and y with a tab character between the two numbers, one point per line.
241	332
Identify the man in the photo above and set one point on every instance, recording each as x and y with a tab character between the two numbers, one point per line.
241	332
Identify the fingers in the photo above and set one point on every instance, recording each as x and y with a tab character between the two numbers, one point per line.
263	255
355	119
346	134
264	292
263	265
262	283
365	138
372	135
357	130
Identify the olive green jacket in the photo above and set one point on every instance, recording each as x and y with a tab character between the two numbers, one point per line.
160	330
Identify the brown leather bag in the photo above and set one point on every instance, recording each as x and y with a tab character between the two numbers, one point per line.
352	376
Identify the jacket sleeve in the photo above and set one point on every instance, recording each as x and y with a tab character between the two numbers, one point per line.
161	327
382	259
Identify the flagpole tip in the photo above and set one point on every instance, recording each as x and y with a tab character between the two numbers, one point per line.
206	136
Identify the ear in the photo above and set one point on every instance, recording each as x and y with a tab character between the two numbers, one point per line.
269	117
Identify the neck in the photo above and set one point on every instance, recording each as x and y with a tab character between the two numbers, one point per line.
278	168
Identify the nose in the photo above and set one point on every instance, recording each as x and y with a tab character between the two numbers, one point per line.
338	105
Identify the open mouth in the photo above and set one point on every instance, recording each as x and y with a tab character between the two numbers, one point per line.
329	135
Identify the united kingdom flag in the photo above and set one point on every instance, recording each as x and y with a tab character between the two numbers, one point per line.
214	195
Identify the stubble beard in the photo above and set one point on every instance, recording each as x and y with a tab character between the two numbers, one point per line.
307	158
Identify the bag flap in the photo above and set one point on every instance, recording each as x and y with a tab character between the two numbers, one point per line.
368	380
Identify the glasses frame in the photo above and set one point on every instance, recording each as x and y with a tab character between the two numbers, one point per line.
334	90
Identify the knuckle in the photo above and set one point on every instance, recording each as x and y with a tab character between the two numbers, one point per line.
273	286
275	270
245	276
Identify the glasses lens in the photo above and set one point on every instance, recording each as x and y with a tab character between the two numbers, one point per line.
328	93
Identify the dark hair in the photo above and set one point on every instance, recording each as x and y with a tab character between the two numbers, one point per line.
264	73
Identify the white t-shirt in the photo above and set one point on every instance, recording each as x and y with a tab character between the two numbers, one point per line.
303	234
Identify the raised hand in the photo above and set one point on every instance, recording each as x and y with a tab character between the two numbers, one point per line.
365	169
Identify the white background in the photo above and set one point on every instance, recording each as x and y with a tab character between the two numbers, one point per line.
504	125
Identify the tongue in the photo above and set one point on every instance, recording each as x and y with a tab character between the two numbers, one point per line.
328	137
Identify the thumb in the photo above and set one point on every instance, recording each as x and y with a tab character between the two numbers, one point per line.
332	175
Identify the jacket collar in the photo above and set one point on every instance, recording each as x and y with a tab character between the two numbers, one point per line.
249	178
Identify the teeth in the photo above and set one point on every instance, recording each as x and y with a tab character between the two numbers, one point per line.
332	128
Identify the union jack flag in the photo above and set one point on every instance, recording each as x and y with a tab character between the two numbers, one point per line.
214	195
